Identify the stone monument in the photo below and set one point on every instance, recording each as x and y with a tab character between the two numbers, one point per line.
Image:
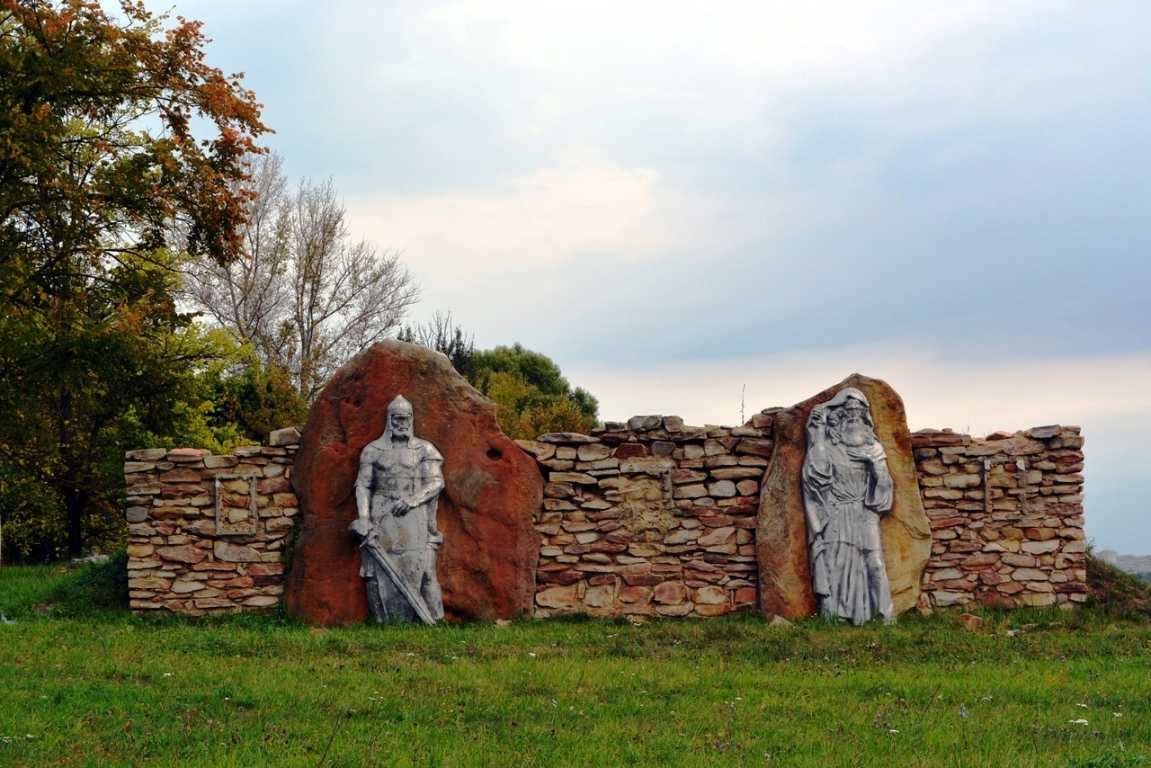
486	510
397	489
846	489
783	542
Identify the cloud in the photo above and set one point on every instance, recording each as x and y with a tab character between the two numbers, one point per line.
967	394
543	244
575	209
674	199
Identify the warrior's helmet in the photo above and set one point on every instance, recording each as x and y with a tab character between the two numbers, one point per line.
398	407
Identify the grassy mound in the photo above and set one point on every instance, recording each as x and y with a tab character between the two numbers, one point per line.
1116	592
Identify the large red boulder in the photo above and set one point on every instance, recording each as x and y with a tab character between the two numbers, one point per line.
486	511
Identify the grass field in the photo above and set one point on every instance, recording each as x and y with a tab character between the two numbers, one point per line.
84	683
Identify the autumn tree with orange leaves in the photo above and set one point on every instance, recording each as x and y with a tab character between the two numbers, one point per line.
114	134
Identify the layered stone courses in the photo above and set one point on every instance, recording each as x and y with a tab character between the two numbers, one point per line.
206	534
644	518
1006	517
650	518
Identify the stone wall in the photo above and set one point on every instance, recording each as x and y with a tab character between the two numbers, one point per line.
653	517
647	518
1006	517
650	517
207	533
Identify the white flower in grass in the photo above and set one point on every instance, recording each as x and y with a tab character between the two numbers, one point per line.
1081	706
1080	721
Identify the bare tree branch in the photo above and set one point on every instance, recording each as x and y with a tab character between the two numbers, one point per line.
305	295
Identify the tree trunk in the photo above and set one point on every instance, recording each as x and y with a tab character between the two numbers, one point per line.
72	497
74	503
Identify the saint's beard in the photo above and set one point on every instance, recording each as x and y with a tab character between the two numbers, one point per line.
855	434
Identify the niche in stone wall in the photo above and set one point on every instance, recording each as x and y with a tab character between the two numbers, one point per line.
642	496
237	508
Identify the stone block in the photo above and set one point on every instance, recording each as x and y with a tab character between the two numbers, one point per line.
186	553
576	478
754	447
1036	599
285	436
1040	547
946	599
694	491
712	609
630	451
261	601
747	487
185	586
710	595
146	454
236	553
717	537
137	551
721	489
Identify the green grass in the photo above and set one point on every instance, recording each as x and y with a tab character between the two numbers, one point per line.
84	683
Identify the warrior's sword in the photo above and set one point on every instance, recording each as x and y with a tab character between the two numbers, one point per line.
418	605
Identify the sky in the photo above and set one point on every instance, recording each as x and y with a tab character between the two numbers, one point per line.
684	204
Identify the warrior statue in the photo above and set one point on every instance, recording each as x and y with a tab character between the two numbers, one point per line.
397	488
846	488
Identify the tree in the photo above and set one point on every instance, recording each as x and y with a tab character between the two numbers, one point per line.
442	334
242	399
235	399
530	390
305	295
111	132
533	395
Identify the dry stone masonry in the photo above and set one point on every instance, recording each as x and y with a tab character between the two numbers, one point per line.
207	534
650	517
647	518
1006	517
653	517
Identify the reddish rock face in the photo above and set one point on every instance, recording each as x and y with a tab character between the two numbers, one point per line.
486	511
781	537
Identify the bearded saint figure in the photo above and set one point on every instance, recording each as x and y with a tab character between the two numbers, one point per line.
846	489
397	489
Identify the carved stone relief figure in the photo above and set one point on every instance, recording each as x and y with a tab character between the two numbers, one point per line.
397	489
846	488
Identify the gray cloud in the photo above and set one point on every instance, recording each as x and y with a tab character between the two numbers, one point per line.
643	184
